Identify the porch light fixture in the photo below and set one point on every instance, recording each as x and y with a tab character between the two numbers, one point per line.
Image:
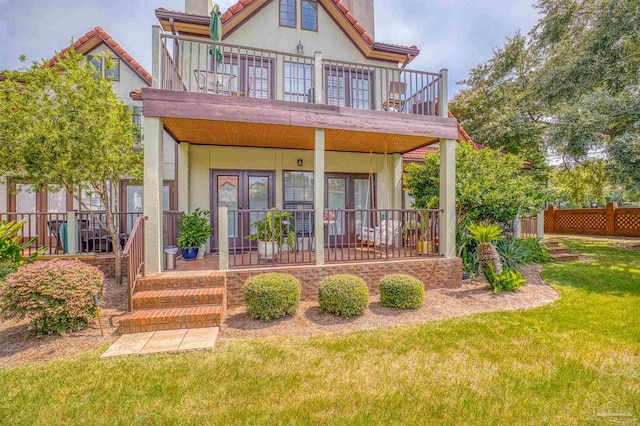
300	48
300	162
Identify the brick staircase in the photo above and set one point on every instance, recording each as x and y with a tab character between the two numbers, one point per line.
176	301
559	253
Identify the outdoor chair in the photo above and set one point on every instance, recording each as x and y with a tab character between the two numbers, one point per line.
397	97
385	234
214	82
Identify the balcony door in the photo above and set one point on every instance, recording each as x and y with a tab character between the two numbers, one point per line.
240	190
349	87
347	192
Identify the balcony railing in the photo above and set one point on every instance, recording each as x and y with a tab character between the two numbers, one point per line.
197	65
288	237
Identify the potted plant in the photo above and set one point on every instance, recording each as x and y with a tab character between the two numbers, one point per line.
416	235
195	228
272	232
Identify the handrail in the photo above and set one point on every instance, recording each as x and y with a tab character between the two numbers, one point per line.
134	252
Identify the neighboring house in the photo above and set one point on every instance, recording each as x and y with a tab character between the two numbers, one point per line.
300	99
127	75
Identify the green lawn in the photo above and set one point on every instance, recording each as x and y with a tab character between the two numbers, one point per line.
542	366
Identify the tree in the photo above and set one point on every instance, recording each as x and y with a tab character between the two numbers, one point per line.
571	85
490	186
62	126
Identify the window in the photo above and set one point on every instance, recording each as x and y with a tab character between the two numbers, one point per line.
96	62
297	82
310	15
349	87
115	72
288	13
298	189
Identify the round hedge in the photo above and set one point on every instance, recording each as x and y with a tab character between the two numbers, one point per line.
56	295
401	291
343	295
270	296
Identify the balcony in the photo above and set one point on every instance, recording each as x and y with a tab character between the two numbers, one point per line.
201	66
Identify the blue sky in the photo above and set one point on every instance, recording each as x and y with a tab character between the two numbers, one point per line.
453	34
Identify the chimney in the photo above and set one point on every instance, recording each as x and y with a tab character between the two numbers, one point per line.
198	7
364	13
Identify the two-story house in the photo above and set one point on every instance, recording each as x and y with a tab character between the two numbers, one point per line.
297	108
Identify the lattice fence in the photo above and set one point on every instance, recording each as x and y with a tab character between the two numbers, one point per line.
612	220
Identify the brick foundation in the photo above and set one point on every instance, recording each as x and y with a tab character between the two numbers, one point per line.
434	272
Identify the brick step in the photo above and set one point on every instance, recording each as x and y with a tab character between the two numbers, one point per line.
563	257
558	250
550	243
181	280
158	299
171	319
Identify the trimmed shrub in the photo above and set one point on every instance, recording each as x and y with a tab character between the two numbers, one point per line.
343	295
538	253
270	296
401	291
56	295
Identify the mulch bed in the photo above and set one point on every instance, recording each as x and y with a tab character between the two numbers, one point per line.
18	345
472	298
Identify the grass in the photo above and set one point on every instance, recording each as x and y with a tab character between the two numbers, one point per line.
544	366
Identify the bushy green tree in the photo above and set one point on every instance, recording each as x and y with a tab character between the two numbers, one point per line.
490	186
62	125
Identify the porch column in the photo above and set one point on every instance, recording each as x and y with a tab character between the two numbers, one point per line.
397	180
318	194
318	83
540	224
153	195
183	177
517	227
447	237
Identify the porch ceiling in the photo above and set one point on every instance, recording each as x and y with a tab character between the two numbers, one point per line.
208	119
227	133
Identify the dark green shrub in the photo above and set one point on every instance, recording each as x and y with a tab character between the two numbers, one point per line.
401	291
343	295
508	281
270	296
56	295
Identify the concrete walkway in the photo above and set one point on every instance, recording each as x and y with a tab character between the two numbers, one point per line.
169	341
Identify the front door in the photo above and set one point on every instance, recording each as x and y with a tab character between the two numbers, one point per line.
346	193
238	190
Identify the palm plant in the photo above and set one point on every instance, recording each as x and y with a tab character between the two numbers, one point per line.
485	235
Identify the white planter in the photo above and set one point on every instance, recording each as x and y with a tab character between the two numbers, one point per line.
267	250
202	250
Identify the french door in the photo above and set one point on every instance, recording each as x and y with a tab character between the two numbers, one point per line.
348	192
240	190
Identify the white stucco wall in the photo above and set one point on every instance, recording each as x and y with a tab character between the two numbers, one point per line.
203	158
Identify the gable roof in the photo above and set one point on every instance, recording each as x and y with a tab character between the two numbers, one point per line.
96	36
243	10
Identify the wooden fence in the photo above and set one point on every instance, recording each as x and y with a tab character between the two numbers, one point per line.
610	221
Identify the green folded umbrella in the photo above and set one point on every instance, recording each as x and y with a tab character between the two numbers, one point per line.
215	31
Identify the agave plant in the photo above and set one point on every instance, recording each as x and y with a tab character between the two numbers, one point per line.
485	235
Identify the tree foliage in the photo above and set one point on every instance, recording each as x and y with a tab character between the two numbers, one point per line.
62	126
490	186
570	86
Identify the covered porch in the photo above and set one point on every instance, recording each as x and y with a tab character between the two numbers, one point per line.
255	146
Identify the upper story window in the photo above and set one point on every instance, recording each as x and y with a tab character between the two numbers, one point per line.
96	62
288	13
101	67
310	15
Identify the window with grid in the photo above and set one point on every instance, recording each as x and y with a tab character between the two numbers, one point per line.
260	80
297	82
298	188
96	62
360	94
310	15
288	13
335	90
115	72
